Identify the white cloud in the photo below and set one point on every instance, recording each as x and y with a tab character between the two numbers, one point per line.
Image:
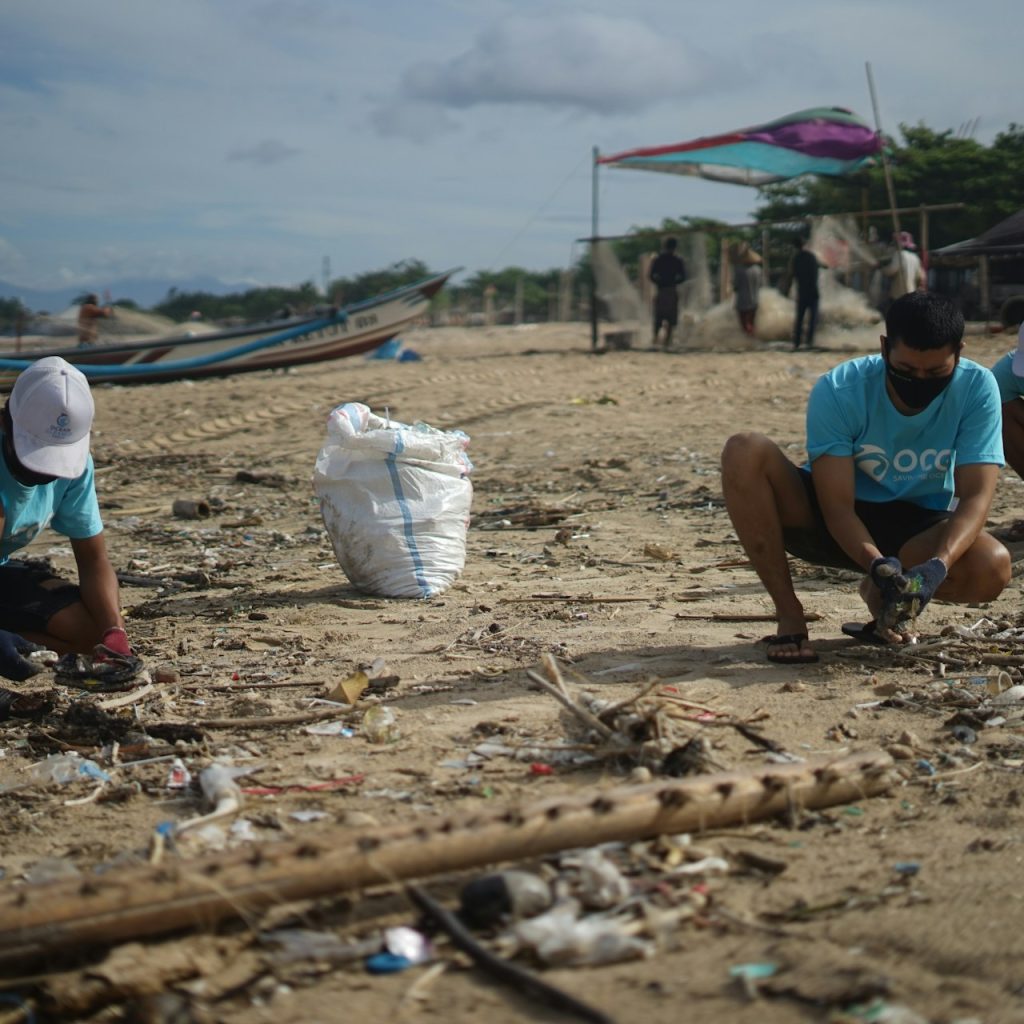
11	258
588	62
267	152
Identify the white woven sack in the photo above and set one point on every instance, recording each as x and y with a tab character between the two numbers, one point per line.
395	500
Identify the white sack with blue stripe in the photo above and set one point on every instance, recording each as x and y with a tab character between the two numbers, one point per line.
395	500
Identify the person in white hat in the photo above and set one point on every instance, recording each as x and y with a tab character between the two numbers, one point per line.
1009	374
46	480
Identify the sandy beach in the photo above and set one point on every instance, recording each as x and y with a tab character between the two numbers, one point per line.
599	536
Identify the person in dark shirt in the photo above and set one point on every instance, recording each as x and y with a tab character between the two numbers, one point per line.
805	273
667	272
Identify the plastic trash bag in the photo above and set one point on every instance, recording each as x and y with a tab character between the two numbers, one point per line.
395	501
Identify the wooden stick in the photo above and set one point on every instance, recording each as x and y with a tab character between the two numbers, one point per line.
270	721
526	982
589	720
97	910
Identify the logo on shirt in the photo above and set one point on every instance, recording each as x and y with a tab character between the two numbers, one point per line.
872	460
876	462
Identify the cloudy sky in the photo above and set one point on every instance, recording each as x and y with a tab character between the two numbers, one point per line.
249	140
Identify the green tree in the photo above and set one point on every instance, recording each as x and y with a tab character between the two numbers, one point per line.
13	315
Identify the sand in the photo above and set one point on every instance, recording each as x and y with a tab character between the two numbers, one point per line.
624	448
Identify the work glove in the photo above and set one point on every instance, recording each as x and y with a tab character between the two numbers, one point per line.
885	573
922	582
114	644
888	575
13	663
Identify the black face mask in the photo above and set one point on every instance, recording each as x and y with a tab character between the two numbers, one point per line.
917	392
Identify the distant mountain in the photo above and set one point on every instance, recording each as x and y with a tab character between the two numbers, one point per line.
145	292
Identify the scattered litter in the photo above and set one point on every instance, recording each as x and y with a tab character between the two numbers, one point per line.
380	724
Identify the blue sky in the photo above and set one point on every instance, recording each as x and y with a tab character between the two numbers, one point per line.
249	140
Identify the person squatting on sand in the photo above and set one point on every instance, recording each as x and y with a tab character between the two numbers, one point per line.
904	453
46	479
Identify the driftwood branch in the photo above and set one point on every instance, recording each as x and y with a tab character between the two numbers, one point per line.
132	902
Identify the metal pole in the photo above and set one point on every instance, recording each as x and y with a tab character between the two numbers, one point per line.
593	242
888	180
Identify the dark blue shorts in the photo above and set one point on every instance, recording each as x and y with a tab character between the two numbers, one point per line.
30	596
890	523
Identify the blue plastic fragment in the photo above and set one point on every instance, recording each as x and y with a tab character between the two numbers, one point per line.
926	766
753	971
387	963
906	867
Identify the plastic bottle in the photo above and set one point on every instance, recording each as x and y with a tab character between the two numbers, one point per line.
65	767
380	725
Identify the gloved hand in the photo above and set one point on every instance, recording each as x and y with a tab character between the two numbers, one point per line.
922	582
114	644
884	572
13	663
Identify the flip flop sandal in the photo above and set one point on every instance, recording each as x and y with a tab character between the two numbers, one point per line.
112	676
786	639
865	634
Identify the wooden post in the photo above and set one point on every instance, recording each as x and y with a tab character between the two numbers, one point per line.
985	288
890	190
593	242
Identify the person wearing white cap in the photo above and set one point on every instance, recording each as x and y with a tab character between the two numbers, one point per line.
46	479
1009	374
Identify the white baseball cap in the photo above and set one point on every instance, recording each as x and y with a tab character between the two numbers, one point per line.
1018	357
51	410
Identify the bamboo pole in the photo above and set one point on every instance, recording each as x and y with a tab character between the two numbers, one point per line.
100	910
890	190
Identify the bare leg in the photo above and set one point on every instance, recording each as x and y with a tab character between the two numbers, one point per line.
72	629
764	493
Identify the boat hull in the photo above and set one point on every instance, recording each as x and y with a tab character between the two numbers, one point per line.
359	328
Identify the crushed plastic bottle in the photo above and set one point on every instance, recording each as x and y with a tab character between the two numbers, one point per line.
64	768
380	724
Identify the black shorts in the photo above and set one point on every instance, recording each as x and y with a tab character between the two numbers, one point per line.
666	306
30	596
890	523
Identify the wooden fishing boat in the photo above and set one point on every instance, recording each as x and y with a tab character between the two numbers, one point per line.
334	334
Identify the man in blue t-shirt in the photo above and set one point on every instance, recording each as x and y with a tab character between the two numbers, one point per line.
46	479
1009	375
904	453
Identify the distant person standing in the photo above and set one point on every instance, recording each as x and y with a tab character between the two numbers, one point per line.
89	312
805	274
668	271
904	269
746	283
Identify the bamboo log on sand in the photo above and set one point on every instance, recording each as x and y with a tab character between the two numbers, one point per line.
100	910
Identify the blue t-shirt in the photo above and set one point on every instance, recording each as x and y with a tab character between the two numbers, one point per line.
1010	385
69	506
898	457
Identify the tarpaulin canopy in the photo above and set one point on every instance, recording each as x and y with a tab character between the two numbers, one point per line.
1004	239
822	140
